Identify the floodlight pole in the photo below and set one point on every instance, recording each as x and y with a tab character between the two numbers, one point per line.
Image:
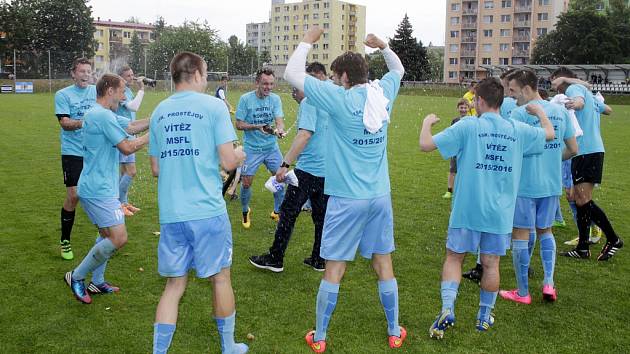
14	67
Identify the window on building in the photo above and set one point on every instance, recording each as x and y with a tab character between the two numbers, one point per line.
286	38
505	33
326	15
487	47
488	4
506	4
487	33
127	34
486	61
543	16
325	46
325	56
305	17
453	48
315	16
452	74
541	31
454	20
453	61
488	19
315	46
315	57
455	7
305	27
503	47
285	47
286	18
543	2
454	34
326	5
296	7
99	59
286	28
504	61
277	9
326	26
316	6
506	18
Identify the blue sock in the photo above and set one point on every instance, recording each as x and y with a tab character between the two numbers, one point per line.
388	293
520	259
99	254
486	304
548	256
162	336
98	274
226	326
573	211
558	216
326	302
278	197
448	290
531	243
246	195
123	189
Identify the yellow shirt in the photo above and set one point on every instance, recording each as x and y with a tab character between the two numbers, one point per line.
468	96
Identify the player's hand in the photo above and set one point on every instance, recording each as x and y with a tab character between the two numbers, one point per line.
534	109
140	82
431	119
373	41
240	154
312	35
281	174
281	133
570	104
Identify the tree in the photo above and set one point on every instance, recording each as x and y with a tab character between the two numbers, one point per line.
243	59
376	65
194	37
582	36
410	51
435	56
264	57
137	53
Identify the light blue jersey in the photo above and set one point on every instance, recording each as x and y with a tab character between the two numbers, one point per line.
259	111
356	161
542	174
74	102
185	133
508	105
589	120
102	131
312	158
123	110
489	153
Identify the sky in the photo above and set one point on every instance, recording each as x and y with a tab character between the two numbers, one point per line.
230	16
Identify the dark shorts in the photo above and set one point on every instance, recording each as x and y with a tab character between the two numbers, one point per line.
588	168
71	166
453	167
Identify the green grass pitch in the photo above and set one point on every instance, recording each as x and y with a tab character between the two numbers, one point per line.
39	315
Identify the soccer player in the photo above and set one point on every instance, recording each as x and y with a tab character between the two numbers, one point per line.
191	133
359	211
586	169
71	103
469	96
104	137
128	109
221	93
539	189
462	109
489	154
309	149
255	113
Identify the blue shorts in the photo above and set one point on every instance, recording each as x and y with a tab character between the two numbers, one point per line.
567	178
366	224
470	241
272	160
104	212
131	158
204	245
535	212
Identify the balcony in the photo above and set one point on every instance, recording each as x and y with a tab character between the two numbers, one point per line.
522	8
469	25
522	23
467	67
520	53
469	39
468	53
472	11
522	38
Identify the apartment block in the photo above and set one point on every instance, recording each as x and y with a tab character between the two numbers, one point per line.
343	24
114	39
258	35
494	32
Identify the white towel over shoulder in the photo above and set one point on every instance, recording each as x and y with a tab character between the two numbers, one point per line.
375	109
561	100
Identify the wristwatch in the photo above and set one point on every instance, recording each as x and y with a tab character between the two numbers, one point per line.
285	164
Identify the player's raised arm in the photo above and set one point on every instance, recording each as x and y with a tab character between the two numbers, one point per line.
295	74
537	110
391	59
426	137
138	126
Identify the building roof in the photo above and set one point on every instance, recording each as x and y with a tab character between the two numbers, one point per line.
128	25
